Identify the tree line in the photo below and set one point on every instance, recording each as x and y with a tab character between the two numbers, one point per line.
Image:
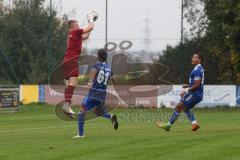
215	32
32	43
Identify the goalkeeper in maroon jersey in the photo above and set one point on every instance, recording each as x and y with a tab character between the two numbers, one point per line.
70	63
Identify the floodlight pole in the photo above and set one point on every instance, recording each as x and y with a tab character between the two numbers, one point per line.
50	7
181	43
182	22
50	37
106	27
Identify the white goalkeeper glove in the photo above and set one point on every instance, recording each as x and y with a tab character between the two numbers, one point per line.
92	16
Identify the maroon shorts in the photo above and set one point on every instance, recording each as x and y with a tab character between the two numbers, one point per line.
70	68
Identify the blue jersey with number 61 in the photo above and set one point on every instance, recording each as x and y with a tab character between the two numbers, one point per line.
197	74
100	82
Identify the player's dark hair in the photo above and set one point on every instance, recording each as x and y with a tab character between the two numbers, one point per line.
199	55
102	55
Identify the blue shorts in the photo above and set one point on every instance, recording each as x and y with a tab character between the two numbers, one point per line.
189	100
91	103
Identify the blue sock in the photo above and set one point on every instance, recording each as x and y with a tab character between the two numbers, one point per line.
174	117
107	115
190	115
81	116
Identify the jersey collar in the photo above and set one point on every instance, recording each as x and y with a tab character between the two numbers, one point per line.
198	65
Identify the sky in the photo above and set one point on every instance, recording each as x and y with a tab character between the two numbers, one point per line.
158	21
129	20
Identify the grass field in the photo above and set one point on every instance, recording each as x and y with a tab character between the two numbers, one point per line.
35	133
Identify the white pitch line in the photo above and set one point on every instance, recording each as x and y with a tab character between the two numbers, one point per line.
42	128
29	129
32	129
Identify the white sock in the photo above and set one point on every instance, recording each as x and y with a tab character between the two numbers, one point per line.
194	122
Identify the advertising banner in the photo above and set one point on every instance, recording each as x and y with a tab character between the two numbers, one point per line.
238	96
29	93
214	95
124	96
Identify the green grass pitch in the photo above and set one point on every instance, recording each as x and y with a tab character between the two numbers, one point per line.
35	133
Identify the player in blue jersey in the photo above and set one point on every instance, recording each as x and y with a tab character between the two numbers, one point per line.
100	74
190	96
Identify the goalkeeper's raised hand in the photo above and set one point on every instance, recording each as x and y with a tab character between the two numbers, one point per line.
92	16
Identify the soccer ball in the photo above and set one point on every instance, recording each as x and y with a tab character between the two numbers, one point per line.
92	14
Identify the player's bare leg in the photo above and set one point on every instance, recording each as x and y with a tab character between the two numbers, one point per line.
71	83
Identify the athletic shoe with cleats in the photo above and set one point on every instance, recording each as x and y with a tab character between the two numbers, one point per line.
195	127
114	122
165	126
67	108
77	136
71	111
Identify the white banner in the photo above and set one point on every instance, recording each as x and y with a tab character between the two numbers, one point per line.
214	95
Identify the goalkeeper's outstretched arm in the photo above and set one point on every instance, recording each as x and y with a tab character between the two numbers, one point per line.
87	30
86	36
92	16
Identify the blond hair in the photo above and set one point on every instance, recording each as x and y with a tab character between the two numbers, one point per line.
70	23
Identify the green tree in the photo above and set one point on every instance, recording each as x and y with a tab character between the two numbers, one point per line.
221	23
215	31
178	60
24	40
